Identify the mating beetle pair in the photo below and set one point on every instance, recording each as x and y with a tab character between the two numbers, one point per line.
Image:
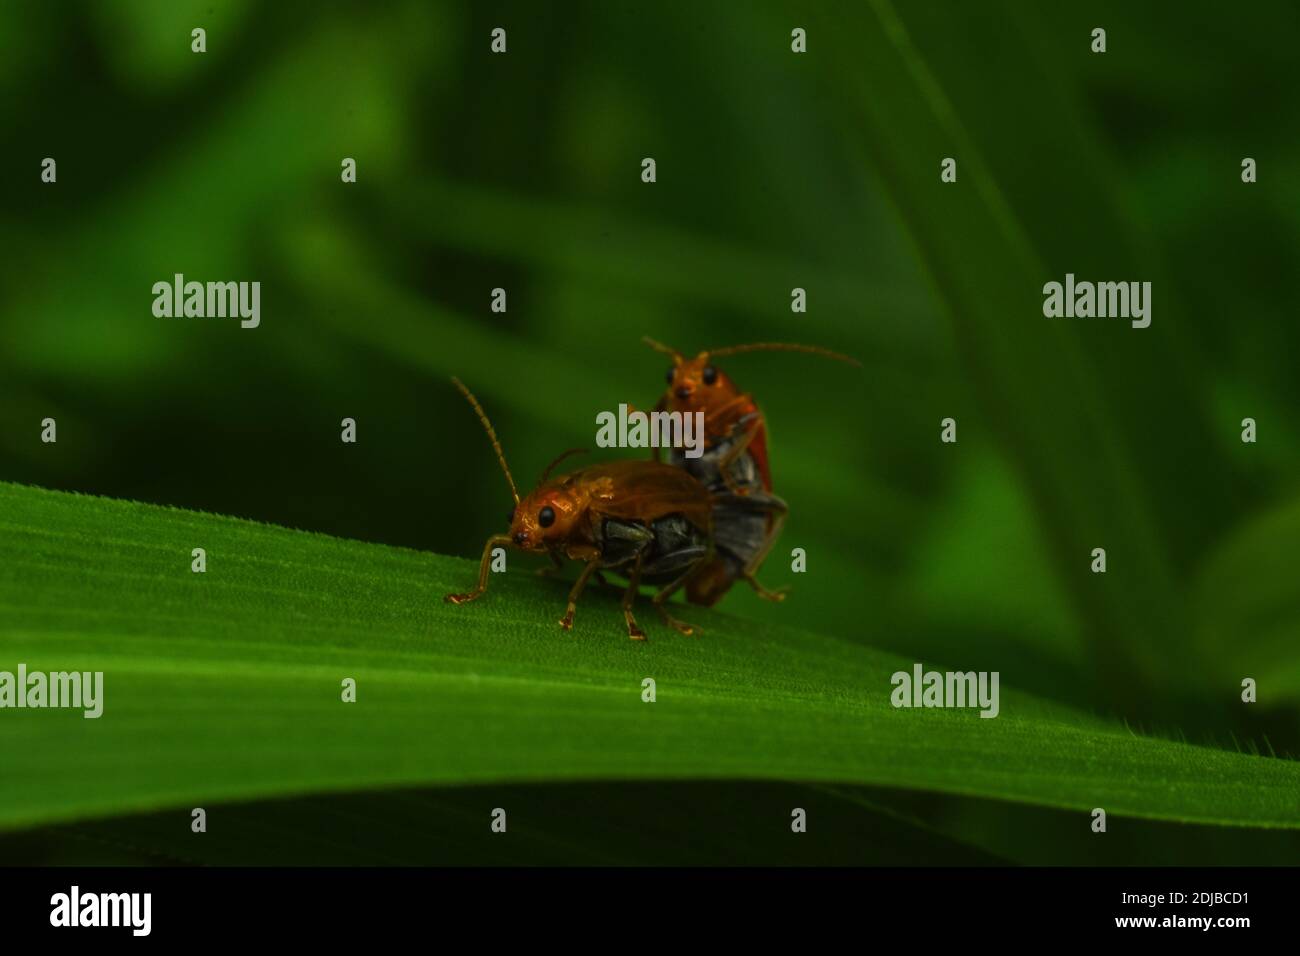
700	523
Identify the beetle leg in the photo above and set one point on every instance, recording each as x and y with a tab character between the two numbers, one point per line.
484	567
734	452
664	594
779	512
556	566
566	622
764	593
633	580
604	582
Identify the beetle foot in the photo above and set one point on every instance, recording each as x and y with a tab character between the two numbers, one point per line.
633	628
776	596
680	626
462	598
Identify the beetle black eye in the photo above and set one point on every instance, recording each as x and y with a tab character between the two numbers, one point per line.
672	374
710	375
546	517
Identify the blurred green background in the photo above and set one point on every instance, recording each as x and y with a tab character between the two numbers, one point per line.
775	170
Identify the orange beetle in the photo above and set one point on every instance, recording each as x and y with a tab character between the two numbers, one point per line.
645	520
747	516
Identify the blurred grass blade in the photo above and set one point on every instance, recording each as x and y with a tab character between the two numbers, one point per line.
1248	606
1060	395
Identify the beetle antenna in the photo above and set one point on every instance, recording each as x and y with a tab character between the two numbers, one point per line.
546	472
660	347
785	347
482	416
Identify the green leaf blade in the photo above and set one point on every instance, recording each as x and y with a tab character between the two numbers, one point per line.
226	686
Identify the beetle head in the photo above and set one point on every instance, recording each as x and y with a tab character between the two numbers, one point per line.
698	385
545	518
695	385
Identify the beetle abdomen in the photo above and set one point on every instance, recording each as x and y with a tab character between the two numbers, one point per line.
741	523
667	546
